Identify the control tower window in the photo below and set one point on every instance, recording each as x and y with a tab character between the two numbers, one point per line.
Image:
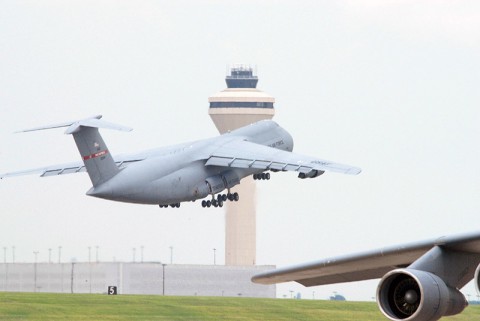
220	104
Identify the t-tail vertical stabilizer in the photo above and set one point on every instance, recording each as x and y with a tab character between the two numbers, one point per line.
94	152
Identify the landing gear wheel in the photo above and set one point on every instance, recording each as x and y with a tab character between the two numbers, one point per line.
209	203
230	197
224	197
220	203
236	197
204	203
215	203
267	176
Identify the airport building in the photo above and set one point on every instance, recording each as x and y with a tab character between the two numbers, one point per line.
134	278
240	104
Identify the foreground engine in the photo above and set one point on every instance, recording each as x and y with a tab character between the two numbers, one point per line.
414	295
477	279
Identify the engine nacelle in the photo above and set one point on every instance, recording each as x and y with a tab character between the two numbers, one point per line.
231	179
313	173
414	295
215	184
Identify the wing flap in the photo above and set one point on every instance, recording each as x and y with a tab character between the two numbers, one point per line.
53	172
254	163
69	168
278	166
261	164
73	170
244	154
240	163
62	171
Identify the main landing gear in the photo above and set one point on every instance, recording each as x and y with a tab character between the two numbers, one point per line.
174	205
218	202
261	176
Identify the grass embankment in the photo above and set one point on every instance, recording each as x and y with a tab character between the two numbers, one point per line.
47	306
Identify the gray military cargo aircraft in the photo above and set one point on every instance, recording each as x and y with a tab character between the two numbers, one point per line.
420	281
186	172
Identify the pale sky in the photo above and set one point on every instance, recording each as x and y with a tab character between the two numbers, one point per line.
388	86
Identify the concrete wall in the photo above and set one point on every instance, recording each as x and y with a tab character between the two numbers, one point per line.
134	278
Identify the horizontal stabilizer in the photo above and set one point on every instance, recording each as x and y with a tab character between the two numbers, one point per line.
73	126
95	123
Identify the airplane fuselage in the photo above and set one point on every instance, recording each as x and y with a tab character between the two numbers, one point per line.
178	173
186	172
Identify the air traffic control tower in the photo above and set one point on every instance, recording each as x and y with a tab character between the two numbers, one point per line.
239	105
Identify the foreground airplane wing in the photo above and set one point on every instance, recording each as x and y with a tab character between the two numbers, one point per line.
367	265
349	268
417	278
244	154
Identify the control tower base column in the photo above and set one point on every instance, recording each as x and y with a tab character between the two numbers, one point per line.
240	226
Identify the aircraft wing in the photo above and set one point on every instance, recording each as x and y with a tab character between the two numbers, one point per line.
367	265
69	168
244	154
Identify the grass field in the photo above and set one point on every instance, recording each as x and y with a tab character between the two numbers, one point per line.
43	306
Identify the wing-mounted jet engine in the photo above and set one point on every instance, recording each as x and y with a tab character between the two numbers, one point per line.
311	174
408	294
